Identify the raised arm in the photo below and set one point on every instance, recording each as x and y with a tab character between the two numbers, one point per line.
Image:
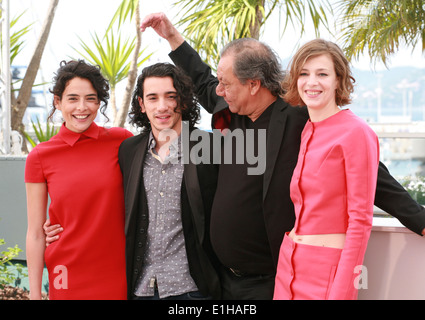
35	242
164	28
184	56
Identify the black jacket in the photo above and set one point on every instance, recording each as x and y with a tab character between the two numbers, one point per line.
197	193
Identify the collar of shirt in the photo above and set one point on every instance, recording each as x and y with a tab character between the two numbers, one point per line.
175	148
71	137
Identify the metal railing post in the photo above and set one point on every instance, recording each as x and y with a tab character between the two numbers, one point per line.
5	77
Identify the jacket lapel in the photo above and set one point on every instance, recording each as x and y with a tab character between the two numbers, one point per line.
275	133
193	190
133	185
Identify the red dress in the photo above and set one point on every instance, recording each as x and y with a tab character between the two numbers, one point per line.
86	198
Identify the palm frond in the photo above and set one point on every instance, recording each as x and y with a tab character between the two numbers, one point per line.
42	134
124	11
16	38
380	27
209	25
112	54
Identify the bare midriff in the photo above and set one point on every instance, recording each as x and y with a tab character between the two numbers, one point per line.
332	240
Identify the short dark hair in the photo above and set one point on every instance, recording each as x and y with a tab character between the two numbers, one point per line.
187	103
80	69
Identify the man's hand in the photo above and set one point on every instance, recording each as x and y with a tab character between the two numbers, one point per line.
164	28
51	232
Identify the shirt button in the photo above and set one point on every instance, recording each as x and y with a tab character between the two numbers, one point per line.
161	194
163	171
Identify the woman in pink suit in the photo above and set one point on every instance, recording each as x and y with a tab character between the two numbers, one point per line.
333	185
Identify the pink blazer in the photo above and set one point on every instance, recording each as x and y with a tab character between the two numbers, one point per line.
333	188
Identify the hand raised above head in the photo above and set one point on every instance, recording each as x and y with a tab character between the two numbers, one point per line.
163	27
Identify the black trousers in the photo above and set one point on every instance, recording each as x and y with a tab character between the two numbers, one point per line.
246	287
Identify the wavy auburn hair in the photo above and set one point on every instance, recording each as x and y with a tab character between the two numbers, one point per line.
312	49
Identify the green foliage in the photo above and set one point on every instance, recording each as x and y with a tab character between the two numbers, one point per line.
209	25
8	277
16	42
112	55
415	186
212	24
125	10
42	134
380	27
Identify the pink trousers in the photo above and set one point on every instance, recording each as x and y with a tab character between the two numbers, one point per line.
305	272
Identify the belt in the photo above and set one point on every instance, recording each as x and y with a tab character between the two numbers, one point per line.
238	273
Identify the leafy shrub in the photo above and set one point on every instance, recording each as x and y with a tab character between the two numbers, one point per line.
416	188
8	277
42	134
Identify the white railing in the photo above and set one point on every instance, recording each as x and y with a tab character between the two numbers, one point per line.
5	78
395	255
404	155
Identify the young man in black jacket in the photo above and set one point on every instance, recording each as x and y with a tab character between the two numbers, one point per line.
168	196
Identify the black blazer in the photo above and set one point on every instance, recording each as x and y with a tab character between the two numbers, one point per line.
197	193
283	138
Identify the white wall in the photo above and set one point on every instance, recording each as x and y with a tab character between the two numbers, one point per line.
395	262
13	208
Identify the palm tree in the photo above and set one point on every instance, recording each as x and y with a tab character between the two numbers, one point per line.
128	9
380	27
112	55
19	105
16	42
16	46
211	24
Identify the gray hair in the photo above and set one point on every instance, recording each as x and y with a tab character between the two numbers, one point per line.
255	60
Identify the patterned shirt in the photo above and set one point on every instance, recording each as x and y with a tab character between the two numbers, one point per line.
165	262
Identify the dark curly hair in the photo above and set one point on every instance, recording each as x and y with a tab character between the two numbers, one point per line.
187	103
80	69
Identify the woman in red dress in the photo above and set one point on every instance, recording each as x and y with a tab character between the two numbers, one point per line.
78	171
